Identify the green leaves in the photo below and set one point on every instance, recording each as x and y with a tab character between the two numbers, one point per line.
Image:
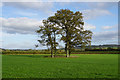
48	34
69	25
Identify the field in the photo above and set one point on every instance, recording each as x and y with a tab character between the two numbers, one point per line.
60	52
38	66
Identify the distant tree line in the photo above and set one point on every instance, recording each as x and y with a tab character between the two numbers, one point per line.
78	51
67	25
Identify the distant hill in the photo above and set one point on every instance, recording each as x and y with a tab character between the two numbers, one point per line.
100	46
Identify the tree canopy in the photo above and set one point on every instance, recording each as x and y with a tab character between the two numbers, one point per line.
69	25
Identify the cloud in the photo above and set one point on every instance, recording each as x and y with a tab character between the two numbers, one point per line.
22	1
1	4
18	41
108	27
106	34
97	9
21	45
28	14
89	26
41	6
21	25
30	5
104	37
1	8
94	13
61	0
102	5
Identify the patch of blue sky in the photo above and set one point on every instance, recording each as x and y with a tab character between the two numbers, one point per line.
106	20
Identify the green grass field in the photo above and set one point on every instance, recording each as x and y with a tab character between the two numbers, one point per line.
38	66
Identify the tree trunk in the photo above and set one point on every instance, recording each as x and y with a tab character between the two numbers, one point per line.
52	51
54	44
55	52
69	48
67	51
51	45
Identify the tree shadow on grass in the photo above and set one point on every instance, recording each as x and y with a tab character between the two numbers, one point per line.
61	56
43	56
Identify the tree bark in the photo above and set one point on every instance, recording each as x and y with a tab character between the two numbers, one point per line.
54	44
52	52
69	48
67	51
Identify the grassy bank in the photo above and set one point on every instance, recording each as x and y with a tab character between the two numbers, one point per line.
38	66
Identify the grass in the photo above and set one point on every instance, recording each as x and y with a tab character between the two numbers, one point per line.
38	66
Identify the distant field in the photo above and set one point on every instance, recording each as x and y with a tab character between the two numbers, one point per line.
38	66
60	52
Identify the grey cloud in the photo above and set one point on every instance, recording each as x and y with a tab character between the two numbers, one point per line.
102	5
61	0
98	9
104	37
94	13
41	6
22	45
1	4
20	25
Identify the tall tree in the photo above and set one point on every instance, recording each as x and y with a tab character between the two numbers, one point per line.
70	25
48	34
45	32
55	32
68	21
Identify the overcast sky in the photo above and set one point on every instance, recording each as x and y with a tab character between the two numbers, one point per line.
21	19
